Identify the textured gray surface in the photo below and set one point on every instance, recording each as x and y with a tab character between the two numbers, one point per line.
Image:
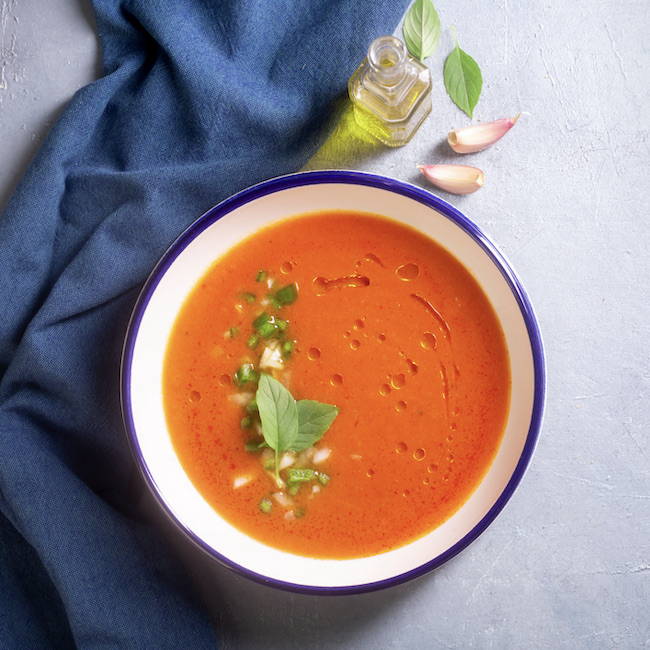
48	50
566	199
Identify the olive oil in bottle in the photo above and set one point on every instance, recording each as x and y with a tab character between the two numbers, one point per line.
390	92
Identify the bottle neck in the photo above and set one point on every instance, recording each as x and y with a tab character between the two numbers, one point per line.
387	58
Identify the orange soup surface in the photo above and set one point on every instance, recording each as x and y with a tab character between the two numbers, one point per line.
387	326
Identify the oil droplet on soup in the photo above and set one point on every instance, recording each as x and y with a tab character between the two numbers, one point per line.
408	272
368	328
322	285
429	341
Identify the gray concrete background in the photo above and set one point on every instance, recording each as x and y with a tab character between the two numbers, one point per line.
567	563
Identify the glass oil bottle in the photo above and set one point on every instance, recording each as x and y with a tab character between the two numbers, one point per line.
390	92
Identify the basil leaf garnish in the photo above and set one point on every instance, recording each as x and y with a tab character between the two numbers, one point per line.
314	419
421	29
463	79
278	413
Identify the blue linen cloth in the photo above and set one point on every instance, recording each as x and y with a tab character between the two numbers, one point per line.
198	100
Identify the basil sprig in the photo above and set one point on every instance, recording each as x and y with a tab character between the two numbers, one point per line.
287	424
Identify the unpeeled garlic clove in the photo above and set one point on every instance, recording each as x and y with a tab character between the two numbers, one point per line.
477	137
457	179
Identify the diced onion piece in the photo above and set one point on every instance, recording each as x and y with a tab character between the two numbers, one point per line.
240	481
320	455
356	456
289	515
287	459
241	399
306	455
272	357
284	500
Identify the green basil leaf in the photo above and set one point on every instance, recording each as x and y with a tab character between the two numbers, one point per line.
421	29
314	419
278	413
463	79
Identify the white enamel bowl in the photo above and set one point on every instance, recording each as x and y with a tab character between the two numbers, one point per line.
182	267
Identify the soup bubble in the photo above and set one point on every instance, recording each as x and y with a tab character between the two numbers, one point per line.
419	454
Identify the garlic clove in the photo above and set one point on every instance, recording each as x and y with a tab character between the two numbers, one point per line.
477	137
457	179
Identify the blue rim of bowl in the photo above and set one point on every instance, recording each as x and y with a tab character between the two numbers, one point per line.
392	185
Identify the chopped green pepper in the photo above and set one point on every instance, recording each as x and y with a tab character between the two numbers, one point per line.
287	348
304	475
323	478
288	294
265	325
245	373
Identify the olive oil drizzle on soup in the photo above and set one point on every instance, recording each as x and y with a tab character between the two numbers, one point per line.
387	326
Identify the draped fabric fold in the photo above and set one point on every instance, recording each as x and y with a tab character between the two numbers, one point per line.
198	99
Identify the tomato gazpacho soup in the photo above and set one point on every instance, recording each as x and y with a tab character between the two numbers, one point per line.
336	385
